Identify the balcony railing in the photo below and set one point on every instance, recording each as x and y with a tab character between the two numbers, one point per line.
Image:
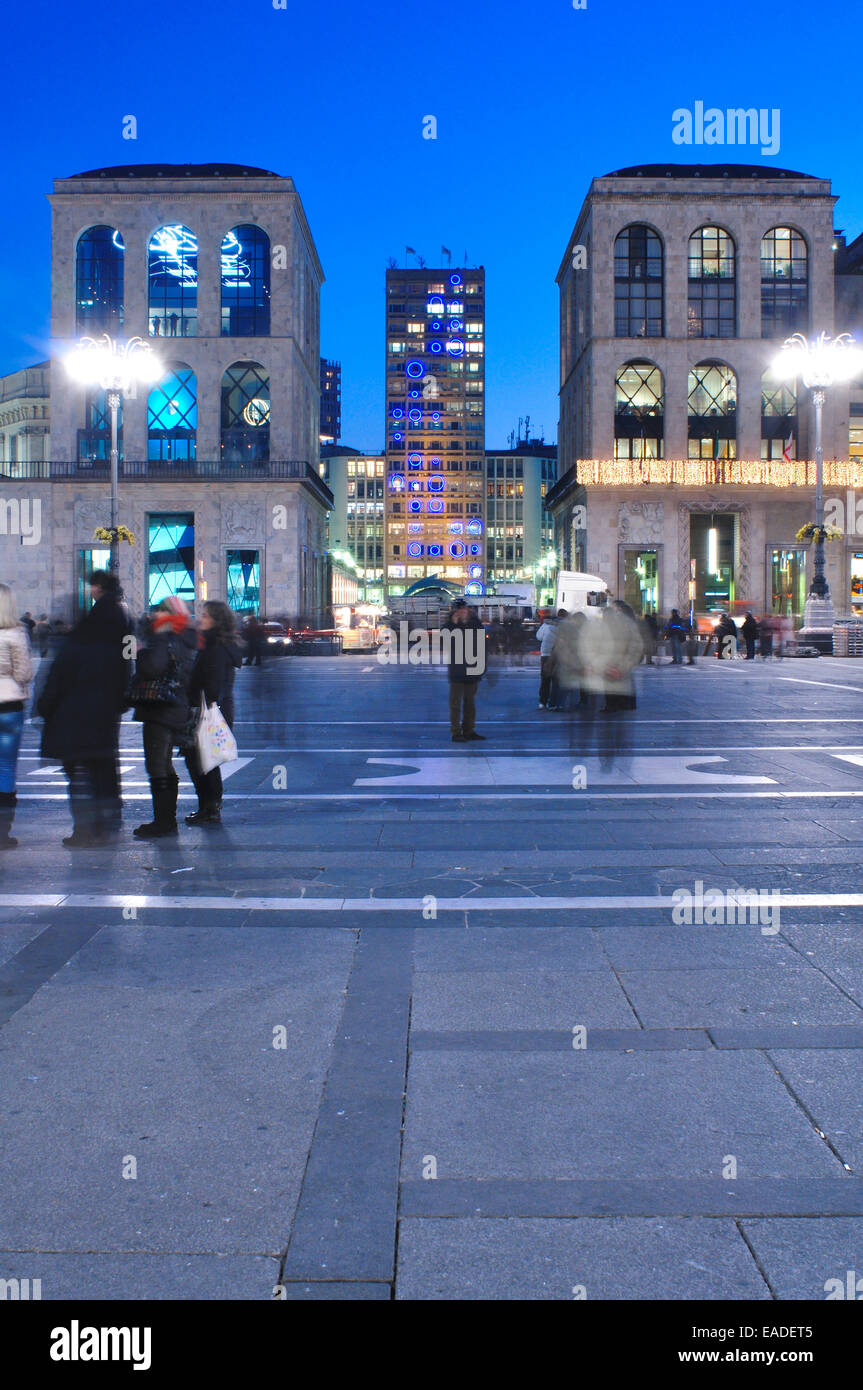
167	470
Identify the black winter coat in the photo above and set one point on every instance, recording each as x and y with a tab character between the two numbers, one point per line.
154	660
213	675
466	672
85	692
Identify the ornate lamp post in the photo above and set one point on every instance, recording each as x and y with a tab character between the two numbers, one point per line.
115	367
820	363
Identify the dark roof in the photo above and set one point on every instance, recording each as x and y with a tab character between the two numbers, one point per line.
706	171
177	171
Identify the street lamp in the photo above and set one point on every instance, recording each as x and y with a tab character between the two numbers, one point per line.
116	368
820	363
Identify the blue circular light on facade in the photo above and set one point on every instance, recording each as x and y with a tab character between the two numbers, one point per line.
455	325
397	482
457	549
437	483
474	528
435	416
436	325
455	347
435	347
415	416
416	485
456	528
414	549
435	504
475	571
455	279
397	412
474	548
435	463
415	460
436	551
415	368
414	505
474	589
435	304
415	528
414	394
397	434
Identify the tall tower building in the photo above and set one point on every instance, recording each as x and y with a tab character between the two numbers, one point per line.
331	401
435	428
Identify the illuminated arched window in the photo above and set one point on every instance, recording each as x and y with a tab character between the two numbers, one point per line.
639	409
172	277
779	423
99	282
712	411
638	288
172	414
784	283
246	283
245	413
712	291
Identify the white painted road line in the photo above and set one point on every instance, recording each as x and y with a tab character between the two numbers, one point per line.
456	771
188	903
830	685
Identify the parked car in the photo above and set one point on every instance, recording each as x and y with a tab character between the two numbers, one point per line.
277	637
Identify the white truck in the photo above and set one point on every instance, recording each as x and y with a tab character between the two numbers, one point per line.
579	592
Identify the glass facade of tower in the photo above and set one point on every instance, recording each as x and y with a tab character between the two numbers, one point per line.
435	428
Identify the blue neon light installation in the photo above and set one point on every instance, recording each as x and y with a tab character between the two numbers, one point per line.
436	325
415	460
437	483
414	549
455	325
473	589
455	347
415	368
435	463
416	484
457	549
397	482
414	394
397	412
436	550
435	304
475	571
415	415
456	528
414	505
415	528
435	416
455	279
436	347
474	528
435	504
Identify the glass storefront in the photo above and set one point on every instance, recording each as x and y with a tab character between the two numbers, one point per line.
243	580
788	582
641	581
856	585
90	559
711	545
170	556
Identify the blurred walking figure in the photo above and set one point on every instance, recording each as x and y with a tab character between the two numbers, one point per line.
765	636
16	673
42	635
650	636
81	702
610	647
676	630
566	675
749	633
212	678
464	675
547	633
726	637
161	694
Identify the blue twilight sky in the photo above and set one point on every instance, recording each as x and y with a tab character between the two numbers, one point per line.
531	100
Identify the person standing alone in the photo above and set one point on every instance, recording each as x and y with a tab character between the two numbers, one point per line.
212	680
465	667
16	673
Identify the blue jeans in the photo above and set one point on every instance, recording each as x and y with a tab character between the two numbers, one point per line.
11	726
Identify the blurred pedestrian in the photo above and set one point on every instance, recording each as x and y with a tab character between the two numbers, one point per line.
465	669
161	694
650	636
726	637
546	632
610	647
749	633
765	636
212	679
566	683
82	702
16	673
42	634
676	630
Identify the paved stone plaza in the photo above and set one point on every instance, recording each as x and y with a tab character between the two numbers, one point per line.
418	1022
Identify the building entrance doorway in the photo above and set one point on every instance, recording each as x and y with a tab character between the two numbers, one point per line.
641	581
711	546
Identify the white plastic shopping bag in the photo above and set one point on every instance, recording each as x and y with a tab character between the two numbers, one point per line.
216	744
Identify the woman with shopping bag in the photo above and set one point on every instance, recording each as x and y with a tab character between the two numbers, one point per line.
211	690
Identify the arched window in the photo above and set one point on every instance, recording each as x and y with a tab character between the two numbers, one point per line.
246	283
779	423
245	413
94	440
172	275
712	411
639	408
99	282
784	283
172	414
712	291
638	290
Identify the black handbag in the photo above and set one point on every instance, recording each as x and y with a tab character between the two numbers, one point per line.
161	690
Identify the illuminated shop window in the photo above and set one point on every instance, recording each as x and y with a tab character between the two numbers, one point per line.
712	291
243	580
784	283
172	415
638	411
638	284
170	556
245	413
712	391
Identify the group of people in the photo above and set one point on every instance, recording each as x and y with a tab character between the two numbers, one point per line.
97	674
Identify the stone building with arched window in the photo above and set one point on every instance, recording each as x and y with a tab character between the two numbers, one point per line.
678	286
